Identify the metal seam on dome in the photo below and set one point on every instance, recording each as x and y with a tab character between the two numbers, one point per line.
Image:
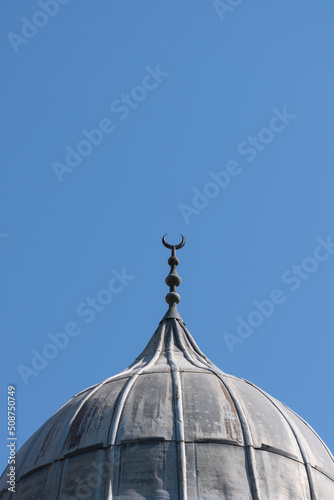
114	425
52	473
59	466
193	344
136	362
63	441
277	451
303	451
123	373
50	478
179	419
33	442
28	451
62	460
127	370
91	393
313	431
322	471
201	358
43	427
254	487
142	441
77	412
112	434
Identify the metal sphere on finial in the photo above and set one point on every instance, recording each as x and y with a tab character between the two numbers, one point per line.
173	280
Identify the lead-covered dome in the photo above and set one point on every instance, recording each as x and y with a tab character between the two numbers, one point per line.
173	426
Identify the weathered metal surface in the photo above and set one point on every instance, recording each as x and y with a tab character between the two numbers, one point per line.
217	471
34	486
173	426
209	413
45	445
143	469
179	418
84	476
267	425
324	486
91	425
197	358
148	410
318	453
282	478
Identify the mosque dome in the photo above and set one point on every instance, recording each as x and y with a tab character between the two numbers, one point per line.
173	426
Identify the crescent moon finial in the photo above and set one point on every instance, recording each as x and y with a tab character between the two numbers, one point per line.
171	247
173	280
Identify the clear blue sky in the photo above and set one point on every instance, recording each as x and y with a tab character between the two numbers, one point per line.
214	123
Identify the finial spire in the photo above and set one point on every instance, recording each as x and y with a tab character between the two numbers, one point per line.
173	280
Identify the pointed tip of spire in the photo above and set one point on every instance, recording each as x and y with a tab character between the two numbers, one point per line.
173	280
172	313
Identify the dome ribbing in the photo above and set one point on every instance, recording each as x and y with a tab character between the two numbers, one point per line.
173	426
